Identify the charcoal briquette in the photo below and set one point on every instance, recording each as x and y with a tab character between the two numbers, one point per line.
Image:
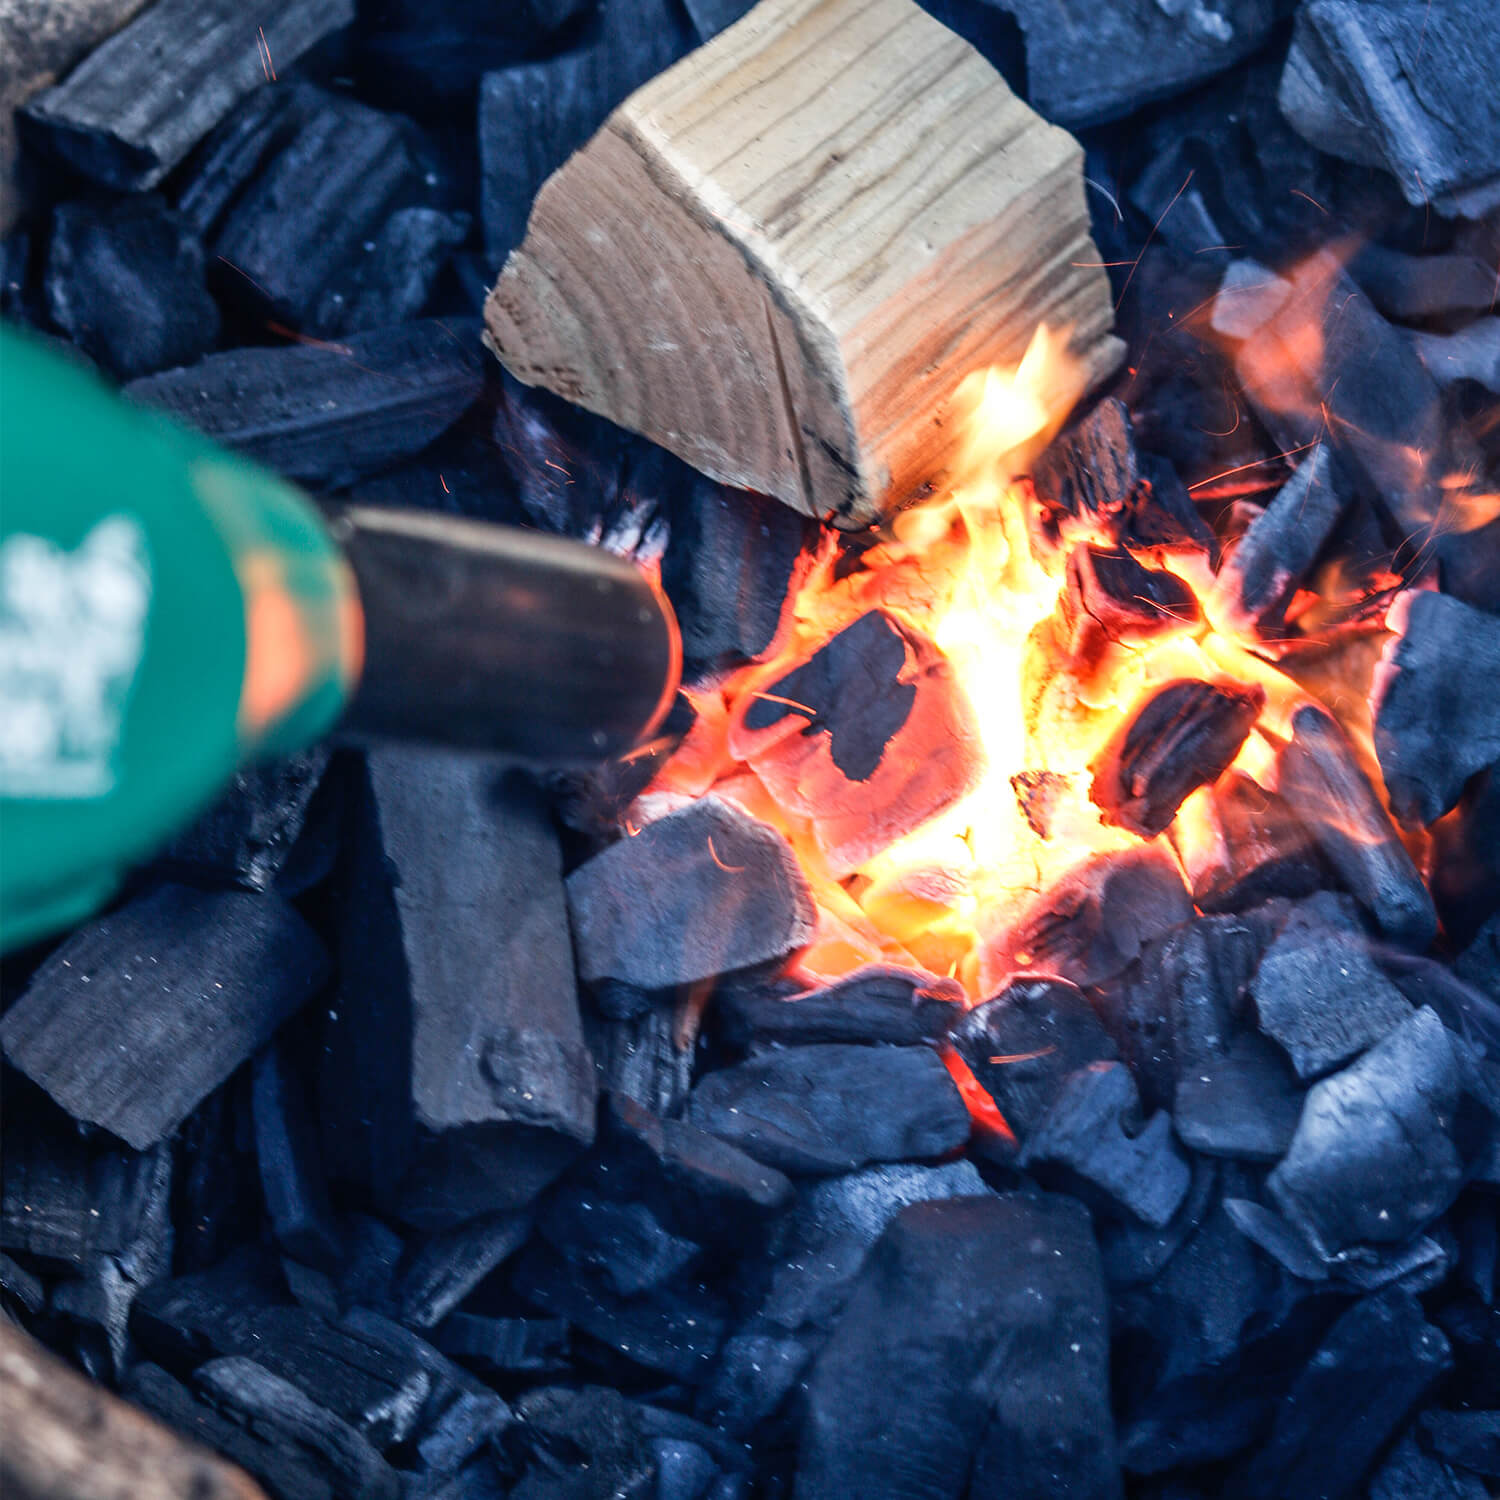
125	281
1373	1368
1091	1140
1436	725
1373	1158
327	414
832	1108
1023	1043
972	1358
140	1014
137	105
694	894
1319	994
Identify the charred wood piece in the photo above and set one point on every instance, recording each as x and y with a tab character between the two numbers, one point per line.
644	1057
1283	541
125	281
455	1080
1404	90
1182	738
1023	1044
137	105
139	1015
328	415
1324	785
506	1346
694	894
1437	722
817	1110
1110	593
293	246
446	1267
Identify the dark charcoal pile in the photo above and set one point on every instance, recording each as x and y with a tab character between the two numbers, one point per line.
408	1132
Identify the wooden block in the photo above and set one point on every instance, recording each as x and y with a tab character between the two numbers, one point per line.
780	257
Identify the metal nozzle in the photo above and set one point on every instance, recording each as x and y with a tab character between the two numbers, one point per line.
487	637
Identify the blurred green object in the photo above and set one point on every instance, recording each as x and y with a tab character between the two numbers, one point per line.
167	611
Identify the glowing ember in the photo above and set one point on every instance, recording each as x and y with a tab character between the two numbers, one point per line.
930	726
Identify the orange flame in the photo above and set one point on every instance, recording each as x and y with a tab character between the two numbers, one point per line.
1008	711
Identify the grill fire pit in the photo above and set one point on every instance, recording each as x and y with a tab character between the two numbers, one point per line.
1027	1024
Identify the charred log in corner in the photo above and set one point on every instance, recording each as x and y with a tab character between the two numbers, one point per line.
791	360
1182	738
66	1436
1323	783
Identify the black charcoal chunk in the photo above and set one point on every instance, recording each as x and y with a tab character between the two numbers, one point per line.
291	1171
142	100
125	282
1373	1158
1023	1044
139	1015
505	1346
269	1404
472	1420
875	1004
852	688
972	1359
23	1290
675	1329
623	1243
817	1110
1470	354
1403	86
65	1197
247	837
1091	1140
1283	541
691	1179
643	1058
1182	737
1094	922
312	232
728	570
1373	1368
696	893
1469	1440
1479	963
1324	785
396	278
1260	850
449	1265
1134	1253
455	1081
533	116
281	1467
328	414
1235	1094
1410	1474
1319	994
1436	724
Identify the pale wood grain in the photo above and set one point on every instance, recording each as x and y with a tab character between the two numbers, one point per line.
780	257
